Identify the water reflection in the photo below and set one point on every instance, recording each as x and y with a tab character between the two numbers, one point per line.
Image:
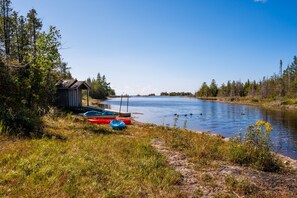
224	119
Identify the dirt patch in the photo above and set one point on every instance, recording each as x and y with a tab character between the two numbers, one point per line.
180	163
212	182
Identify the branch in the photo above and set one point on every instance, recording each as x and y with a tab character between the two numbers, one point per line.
19	66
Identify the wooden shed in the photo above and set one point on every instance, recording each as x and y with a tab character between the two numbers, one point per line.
69	93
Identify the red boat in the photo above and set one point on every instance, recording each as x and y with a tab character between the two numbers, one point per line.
108	120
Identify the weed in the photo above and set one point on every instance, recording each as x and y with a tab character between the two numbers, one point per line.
255	149
240	186
69	115
4	129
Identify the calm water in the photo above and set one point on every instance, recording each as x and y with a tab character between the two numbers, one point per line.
219	118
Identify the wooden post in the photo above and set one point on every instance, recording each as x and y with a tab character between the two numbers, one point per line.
88	97
127	102
121	105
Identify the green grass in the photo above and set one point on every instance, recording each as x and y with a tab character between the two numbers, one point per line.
289	102
201	148
75	158
91	161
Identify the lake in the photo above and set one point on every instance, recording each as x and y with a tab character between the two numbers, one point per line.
218	118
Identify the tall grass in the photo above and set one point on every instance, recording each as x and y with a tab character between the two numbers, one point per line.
4	130
202	148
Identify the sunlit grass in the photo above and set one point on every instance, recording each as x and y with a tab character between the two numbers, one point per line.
90	161
75	158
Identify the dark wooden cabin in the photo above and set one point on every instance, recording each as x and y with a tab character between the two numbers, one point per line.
69	93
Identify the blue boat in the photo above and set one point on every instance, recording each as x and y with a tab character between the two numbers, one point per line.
117	124
97	114
107	111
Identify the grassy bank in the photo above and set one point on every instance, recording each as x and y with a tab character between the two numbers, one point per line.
79	159
276	103
83	160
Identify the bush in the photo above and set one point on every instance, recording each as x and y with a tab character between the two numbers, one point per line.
255	100
289	102
21	122
255	149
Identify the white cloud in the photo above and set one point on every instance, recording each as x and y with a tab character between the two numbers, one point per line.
260	1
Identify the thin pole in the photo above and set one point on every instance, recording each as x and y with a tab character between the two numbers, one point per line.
127	102
88	98
121	104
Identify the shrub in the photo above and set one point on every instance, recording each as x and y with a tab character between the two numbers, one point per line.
255	100
289	102
255	149
22	122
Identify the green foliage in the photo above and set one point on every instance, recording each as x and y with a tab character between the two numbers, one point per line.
282	85
203	91
4	129
213	89
29	69
200	147
255	100
289	102
176	94
255	149
100	89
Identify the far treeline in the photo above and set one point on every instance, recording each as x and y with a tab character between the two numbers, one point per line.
176	94
30	67
277	86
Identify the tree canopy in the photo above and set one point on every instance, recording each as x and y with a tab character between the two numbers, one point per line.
100	88
30	66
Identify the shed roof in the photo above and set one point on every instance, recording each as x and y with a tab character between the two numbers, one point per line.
72	84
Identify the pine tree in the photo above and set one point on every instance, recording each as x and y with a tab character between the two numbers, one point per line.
5	32
33	28
213	88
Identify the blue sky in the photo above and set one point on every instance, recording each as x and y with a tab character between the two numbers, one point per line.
150	46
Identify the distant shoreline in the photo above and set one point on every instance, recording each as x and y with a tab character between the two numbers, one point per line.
276	104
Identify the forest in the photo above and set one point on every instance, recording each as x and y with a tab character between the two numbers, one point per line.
30	67
279	85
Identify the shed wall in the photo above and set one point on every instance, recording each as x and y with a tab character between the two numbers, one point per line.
69	97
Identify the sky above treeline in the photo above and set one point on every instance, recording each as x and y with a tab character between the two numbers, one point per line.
151	46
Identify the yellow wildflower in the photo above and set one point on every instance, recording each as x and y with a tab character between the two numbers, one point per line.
260	123
268	127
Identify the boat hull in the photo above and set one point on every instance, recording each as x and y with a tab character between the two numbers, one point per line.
117	124
108	120
122	114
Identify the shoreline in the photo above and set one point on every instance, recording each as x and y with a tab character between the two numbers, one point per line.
286	159
237	101
262	103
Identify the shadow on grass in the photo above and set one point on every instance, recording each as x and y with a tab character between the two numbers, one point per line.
49	135
102	130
